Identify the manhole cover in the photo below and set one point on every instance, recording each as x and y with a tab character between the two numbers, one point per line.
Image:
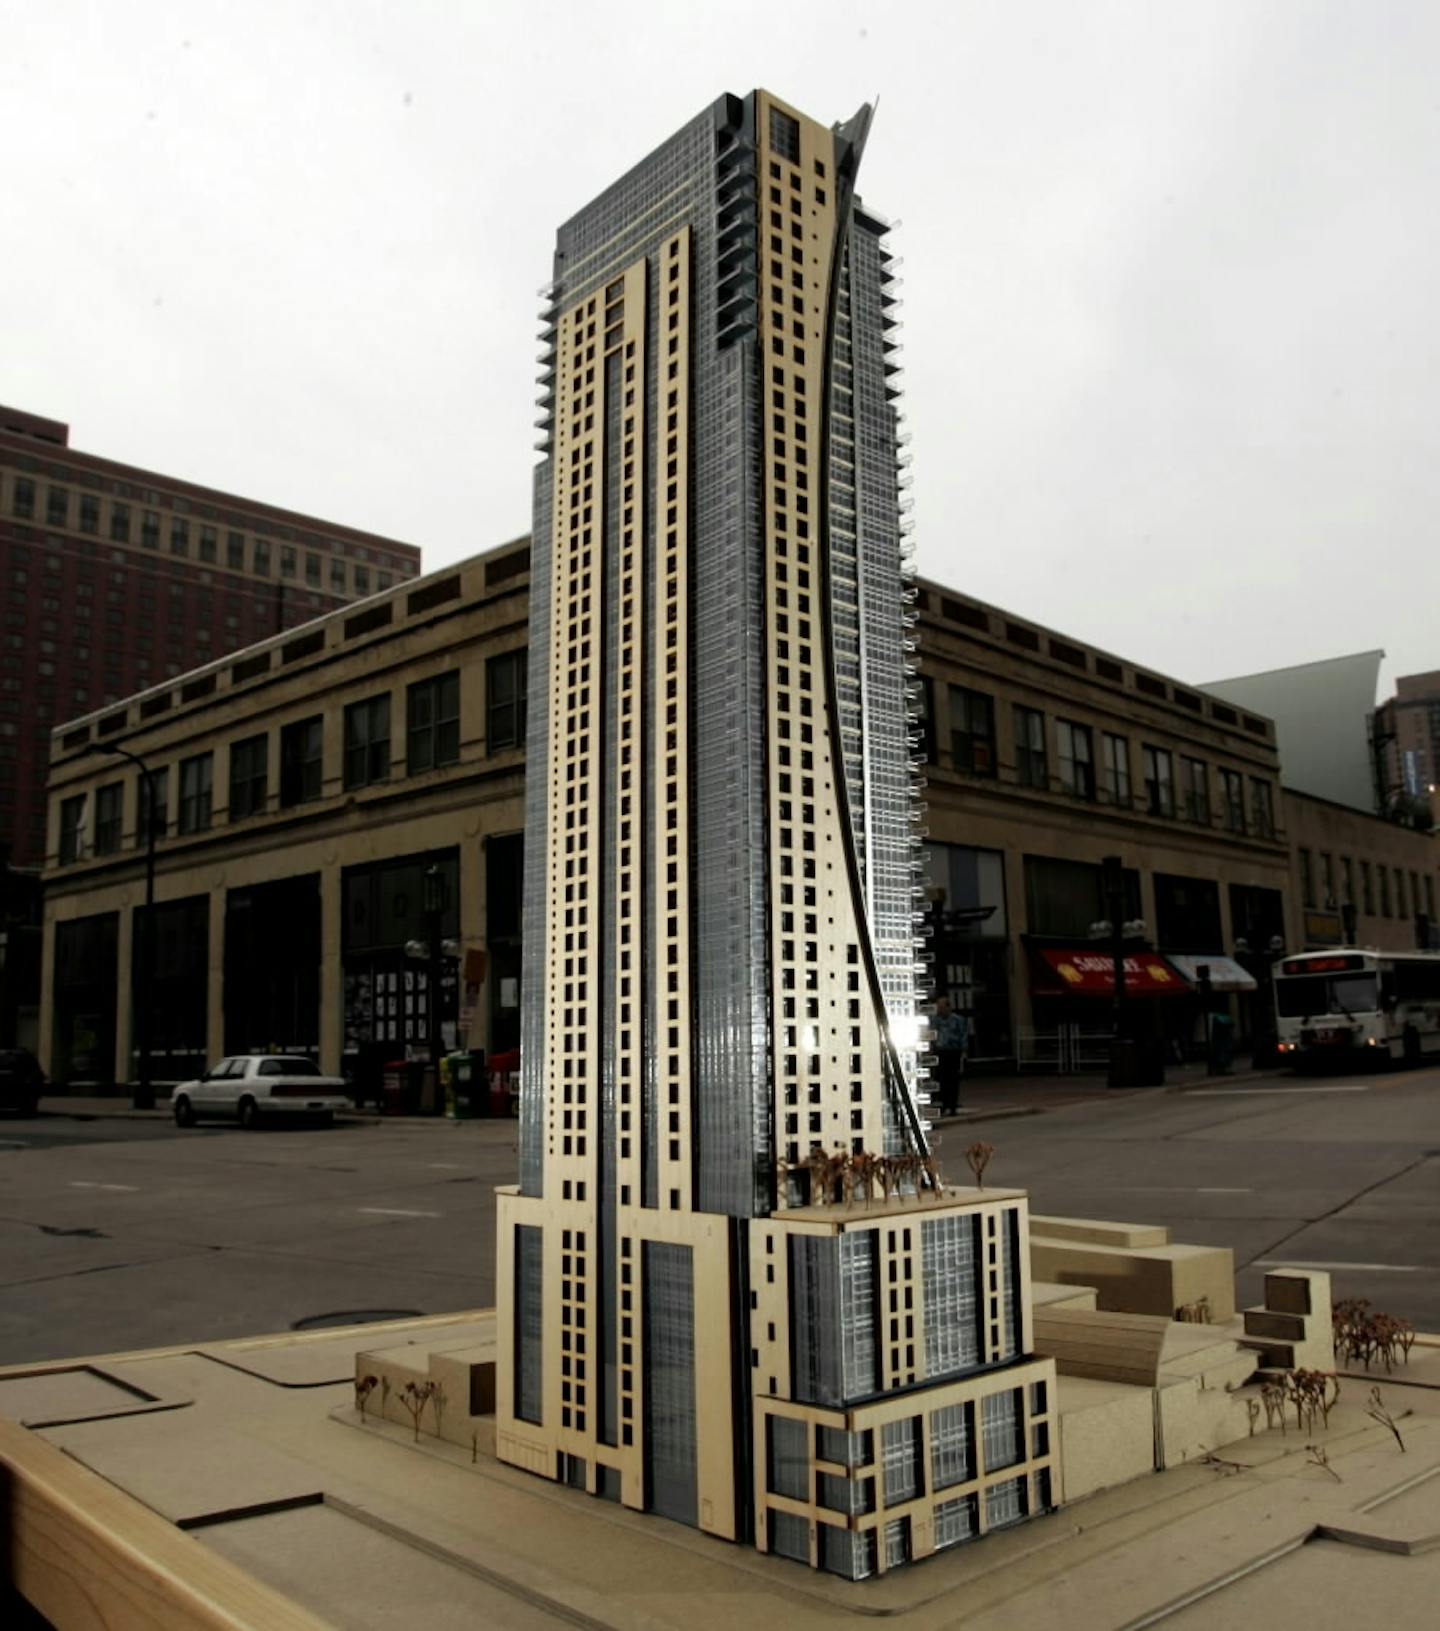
355	1316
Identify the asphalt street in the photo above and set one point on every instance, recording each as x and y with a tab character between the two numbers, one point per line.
1340	1173
118	1234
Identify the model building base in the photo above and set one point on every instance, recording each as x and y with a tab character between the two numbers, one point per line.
237	1484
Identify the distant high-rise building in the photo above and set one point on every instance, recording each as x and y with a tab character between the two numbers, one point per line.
721	994
116	579
1407	738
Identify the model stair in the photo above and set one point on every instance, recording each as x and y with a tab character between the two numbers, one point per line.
1292	1329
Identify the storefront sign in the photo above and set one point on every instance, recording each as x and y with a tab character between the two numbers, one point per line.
1091	973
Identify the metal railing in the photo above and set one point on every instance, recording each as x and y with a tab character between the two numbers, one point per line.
1065	1049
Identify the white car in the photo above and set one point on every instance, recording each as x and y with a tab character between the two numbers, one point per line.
248	1086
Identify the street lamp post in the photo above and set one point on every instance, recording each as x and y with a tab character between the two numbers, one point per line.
144	1096
434	908
1112	876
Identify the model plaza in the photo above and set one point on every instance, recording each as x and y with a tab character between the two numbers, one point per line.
738	1290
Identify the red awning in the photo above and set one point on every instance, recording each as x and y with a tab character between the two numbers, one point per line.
1091	973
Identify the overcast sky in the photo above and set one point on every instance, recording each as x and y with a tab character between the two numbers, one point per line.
1171	273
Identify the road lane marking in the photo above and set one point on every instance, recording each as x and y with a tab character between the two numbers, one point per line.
1260	1092
124	1189
1367	1268
1210	1189
446	1166
396	1212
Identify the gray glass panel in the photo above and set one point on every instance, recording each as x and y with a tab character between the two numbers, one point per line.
843	1448
790	1536
529	1331
846	1552
1001	1425
537	761
789	1472
1004	1503
670	1450
949	1262
1010	1288
834	1357
900	1446
952	1453
955	1521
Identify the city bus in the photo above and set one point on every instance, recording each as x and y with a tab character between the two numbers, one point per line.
1371	1004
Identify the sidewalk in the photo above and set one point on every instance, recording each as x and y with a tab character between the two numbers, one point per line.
983	1098
997	1098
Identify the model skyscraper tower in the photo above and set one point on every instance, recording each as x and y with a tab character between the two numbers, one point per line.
721	900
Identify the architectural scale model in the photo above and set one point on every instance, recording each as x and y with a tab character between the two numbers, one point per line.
737	1290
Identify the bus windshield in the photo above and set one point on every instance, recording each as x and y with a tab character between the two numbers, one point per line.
1302	996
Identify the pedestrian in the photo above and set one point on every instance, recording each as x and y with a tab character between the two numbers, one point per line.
952	1036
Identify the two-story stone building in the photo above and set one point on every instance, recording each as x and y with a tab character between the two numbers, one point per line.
306	785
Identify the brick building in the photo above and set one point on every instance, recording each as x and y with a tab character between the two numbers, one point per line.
116	579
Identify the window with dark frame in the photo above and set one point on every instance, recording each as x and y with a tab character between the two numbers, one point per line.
109	815
72	829
972	731
302	748
249	776
432	723
1075	758
1159	768
1031	768
1307	878
1262	808
195	793
1116	756
367	742
505	692
154	805
1232	788
1197	791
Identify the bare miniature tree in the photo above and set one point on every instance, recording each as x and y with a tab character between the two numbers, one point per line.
438	1401
415	1396
364	1387
978	1158
1376	1411
1319	1456
1272	1396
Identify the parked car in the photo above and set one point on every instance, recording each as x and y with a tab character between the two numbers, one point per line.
249	1086
21	1081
